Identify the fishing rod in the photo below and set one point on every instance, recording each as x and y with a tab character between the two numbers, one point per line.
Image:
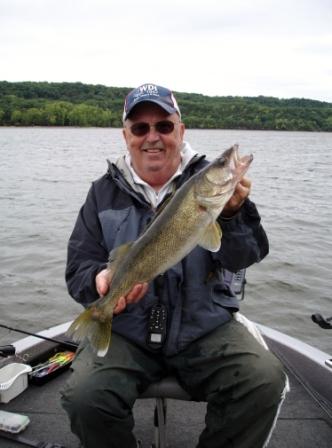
66	344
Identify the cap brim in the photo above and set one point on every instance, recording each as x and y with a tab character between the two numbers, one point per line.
169	109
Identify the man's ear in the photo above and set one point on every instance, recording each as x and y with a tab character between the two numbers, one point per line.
124	133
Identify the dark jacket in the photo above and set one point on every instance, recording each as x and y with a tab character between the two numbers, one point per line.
194	292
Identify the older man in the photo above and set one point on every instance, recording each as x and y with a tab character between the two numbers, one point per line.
214	356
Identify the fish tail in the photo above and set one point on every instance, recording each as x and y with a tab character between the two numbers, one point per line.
98	332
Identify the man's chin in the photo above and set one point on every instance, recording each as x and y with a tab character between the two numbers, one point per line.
153	168
155	159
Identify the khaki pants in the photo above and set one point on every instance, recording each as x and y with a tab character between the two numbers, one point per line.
242	383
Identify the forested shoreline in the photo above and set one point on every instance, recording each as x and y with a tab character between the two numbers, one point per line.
78	104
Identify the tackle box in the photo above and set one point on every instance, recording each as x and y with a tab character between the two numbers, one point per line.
13	380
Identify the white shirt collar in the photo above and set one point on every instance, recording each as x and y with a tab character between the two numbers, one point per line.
151	195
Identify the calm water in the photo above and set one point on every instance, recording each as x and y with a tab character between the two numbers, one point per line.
45	174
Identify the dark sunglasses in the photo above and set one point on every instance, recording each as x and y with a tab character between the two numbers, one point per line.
162	127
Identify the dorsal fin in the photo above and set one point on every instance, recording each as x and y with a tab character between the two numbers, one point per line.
159	210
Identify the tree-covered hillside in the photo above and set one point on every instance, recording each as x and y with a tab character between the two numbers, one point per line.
77	104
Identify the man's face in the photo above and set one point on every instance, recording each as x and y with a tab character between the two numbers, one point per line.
155	156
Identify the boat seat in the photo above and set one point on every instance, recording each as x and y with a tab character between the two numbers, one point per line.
168	387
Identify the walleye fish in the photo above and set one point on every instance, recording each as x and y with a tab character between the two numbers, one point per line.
189	219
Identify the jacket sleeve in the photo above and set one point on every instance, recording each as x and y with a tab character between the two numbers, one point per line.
244	240
86	254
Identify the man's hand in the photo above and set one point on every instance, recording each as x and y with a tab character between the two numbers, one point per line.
241	192
103	280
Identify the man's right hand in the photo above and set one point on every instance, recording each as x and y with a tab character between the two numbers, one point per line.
103	281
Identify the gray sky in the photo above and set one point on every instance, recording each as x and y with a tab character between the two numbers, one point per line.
279	48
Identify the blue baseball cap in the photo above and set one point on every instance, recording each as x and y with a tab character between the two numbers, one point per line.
153	94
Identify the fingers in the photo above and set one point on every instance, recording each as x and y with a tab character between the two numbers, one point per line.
245	182
102	282
134	296
137	292
241	192
120	306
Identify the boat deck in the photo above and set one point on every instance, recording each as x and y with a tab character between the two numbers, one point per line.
302	423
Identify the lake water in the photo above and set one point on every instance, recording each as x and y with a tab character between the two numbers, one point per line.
45	174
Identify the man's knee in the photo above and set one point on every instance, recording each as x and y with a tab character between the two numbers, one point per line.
263	374
90	400
100	415
269	381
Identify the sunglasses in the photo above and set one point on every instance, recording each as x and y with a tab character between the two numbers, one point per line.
162	127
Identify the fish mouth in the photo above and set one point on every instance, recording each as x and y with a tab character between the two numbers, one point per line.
237	165
243	161
240	161
232	157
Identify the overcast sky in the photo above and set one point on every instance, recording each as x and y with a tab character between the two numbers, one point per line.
279	48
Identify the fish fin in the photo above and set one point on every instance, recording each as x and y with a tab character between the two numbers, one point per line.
211	239
164	204
117	254
98	332
102	352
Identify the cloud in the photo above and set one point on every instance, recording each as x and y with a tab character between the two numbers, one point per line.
215	47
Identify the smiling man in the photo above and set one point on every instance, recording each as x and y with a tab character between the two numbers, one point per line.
212	354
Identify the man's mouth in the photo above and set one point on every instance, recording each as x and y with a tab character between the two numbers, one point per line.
153	150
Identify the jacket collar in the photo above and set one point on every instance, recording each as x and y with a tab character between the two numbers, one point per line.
117	175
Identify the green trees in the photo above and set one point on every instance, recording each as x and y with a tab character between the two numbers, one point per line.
256	113
85	115
58	113
77	104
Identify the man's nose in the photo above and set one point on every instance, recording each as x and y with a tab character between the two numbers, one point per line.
153	135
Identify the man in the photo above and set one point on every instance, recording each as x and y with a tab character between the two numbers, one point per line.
214	356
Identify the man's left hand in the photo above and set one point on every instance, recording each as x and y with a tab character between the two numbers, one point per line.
241	192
